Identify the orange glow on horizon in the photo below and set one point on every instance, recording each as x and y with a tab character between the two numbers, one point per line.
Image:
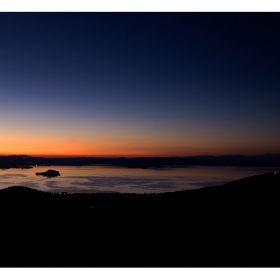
62	147
120	153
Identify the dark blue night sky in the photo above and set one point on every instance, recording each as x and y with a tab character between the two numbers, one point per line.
139	83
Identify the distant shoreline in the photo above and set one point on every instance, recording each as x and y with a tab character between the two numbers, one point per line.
24	161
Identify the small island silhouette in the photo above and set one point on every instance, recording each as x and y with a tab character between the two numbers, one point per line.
49	173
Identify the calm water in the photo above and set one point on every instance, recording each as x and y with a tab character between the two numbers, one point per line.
130	180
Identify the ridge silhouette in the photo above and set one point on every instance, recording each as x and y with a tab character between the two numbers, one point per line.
235	224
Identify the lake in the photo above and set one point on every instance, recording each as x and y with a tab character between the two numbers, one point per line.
87	179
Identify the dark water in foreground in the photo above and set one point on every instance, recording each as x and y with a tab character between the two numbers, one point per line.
130	180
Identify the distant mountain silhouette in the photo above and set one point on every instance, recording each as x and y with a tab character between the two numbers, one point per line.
266	160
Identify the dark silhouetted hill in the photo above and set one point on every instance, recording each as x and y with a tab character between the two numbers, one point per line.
232	225
23	161
49	173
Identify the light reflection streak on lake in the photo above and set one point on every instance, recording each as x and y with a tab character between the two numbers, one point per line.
125	180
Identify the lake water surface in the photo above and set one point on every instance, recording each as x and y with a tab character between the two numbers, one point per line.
89	179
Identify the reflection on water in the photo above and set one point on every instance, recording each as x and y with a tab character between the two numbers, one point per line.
121	179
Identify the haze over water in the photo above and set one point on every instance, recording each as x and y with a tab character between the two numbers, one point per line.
88	179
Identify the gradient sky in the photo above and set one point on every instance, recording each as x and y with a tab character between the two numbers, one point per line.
139	84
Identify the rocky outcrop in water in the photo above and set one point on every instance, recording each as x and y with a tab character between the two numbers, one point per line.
49	173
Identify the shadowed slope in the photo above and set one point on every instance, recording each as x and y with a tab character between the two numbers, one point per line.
231	225
259	183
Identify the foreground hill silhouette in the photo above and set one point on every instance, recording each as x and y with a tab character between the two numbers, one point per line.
235	224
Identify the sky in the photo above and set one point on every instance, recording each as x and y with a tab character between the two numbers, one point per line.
139	84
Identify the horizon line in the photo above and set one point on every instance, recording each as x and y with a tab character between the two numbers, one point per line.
132	156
